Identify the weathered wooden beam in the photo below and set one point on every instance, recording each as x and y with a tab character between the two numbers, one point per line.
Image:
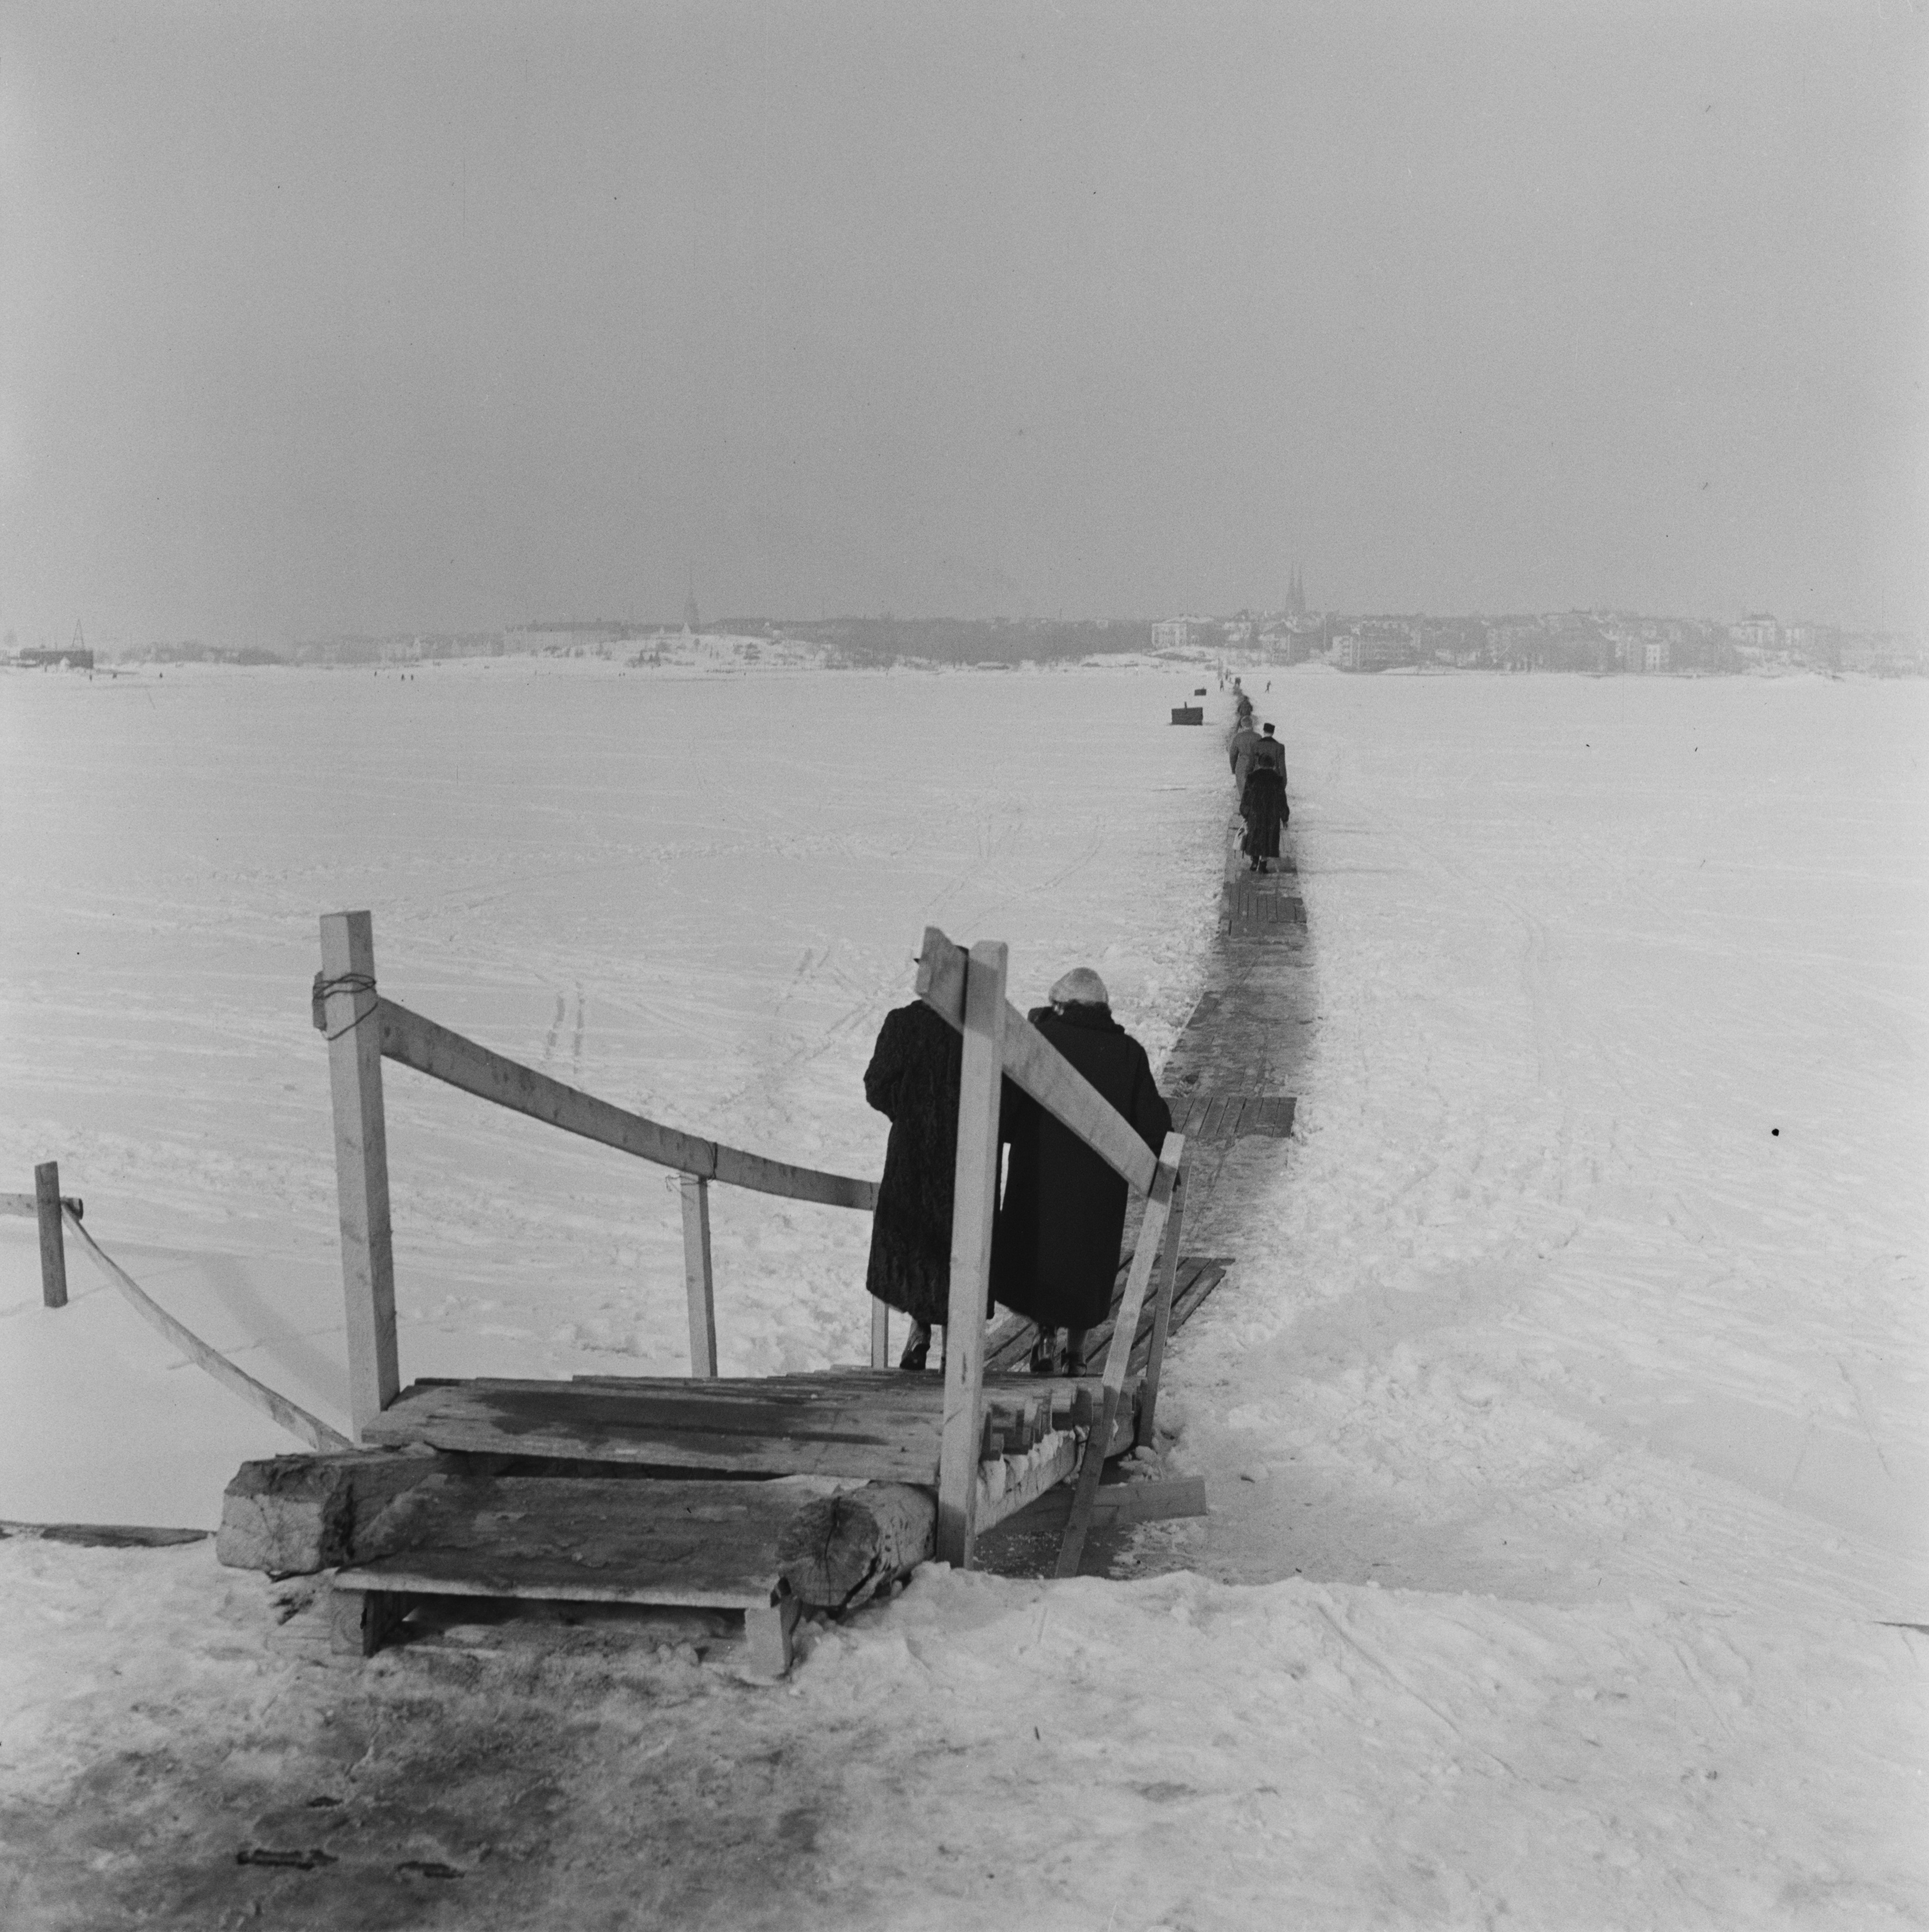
692	1545
365	1621
854	1422
880	1333
1033	1064
974	1198
53	1251
1151	1242
698	1286
350	1009
839	1551
608	1423
413	1041
293	1515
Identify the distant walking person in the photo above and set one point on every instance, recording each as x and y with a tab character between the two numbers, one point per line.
1054	1245
913	1078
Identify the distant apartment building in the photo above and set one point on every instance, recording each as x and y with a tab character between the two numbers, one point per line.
1513	642
1639	648
1376	644
1758	630
1173	633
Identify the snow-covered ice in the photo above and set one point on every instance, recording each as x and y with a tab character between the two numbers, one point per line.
1562	1420
1599	1267
697	896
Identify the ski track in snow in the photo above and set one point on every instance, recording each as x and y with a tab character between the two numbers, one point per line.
1564	1426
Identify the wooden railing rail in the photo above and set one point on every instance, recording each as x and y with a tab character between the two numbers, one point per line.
413	1041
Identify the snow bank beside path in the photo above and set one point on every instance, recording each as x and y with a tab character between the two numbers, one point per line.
1598	1267
979	1753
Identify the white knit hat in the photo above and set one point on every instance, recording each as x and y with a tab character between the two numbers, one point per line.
1080	987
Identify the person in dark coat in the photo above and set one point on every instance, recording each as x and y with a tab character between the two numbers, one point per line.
1267	750
1264	807
1055	1244
913	1077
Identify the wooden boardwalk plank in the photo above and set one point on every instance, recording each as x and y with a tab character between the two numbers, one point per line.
588	1541
639	1541
1010	1344
849	1423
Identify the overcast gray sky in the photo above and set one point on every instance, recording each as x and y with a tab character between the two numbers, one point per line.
330	317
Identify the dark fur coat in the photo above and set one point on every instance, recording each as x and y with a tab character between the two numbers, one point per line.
1265	809
913	1078
1055	1246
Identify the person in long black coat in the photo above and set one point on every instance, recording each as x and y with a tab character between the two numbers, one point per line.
1263	807
913	1077
1055	1244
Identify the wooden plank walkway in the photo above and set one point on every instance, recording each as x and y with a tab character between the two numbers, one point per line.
1232	1075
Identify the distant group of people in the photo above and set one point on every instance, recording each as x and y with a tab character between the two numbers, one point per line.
1055	1236
1258	760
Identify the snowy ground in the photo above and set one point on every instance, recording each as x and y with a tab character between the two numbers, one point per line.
1563	1421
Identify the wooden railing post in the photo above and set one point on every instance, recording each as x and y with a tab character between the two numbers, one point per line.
53	1245
349	1007
1119	1352
880	1333
698	1286
1155	1355
974	1197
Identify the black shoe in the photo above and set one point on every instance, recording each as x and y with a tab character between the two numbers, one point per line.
1074	1351
1045	1353
917	1348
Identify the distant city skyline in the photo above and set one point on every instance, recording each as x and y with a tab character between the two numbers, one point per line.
375	318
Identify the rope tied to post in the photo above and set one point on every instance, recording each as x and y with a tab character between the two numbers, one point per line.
344	982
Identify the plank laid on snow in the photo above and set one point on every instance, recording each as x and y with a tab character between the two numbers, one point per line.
1009	1344
1124	1502
1186	1298
1258	907
1214	1117
586	1540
